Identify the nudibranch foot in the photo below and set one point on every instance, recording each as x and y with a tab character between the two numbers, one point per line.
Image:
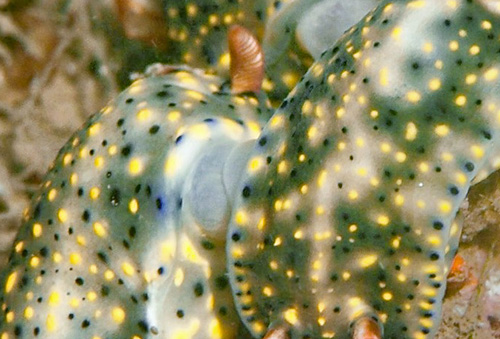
366	328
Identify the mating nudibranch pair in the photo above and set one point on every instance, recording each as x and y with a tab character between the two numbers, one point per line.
172	215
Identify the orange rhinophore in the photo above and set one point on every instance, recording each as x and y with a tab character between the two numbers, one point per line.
247	60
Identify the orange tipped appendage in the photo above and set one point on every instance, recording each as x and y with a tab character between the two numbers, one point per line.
366	328
247	60
277	333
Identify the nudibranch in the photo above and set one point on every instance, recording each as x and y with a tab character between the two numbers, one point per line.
126	238
172	214
290	31
346	219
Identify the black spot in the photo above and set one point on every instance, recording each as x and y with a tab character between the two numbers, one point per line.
85	323
129	100
105	290
79	281
236	237
126	150
434	256
159	203
454	190
262	141
154	129
246	192
207	245
132	231
160	270
120	122
86	216
469	166
437	225
180	314
163	94
102	256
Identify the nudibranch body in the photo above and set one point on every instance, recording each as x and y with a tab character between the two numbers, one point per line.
290	32
126	238
347	209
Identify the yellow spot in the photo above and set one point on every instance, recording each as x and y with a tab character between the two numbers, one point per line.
118	315
215	329
353	195
255	164
322	178
62	215
445	206
143	114
29	312
37	230
434	240
442	130
178	277
428	47
9	317
57	257
416	4
438	64
477	151
51	322
400	157
368	261
385	147
470	79
434	84
321	321
353	228
311	133
67	159
189	251
387	296
383	220
11	280
491	74
240	218
75	258
99	162
128	269
94	129
461	100
413	96
171	164
346	275
109	275
267	291
112	150
94	193
396	33
174	116
54	299
34	261
486	25
133	206
399	200
411	131
384	77
454	45
474	50
52	194
290	79
99	229
135	166
291	316
73	179
298	234
273	264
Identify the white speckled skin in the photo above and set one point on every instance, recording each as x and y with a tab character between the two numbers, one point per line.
347	207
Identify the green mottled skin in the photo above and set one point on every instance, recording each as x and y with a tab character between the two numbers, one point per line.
349	208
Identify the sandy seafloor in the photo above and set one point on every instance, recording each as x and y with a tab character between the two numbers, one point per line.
58	66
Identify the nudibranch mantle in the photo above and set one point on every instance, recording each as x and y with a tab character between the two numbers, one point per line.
350	213
125	238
